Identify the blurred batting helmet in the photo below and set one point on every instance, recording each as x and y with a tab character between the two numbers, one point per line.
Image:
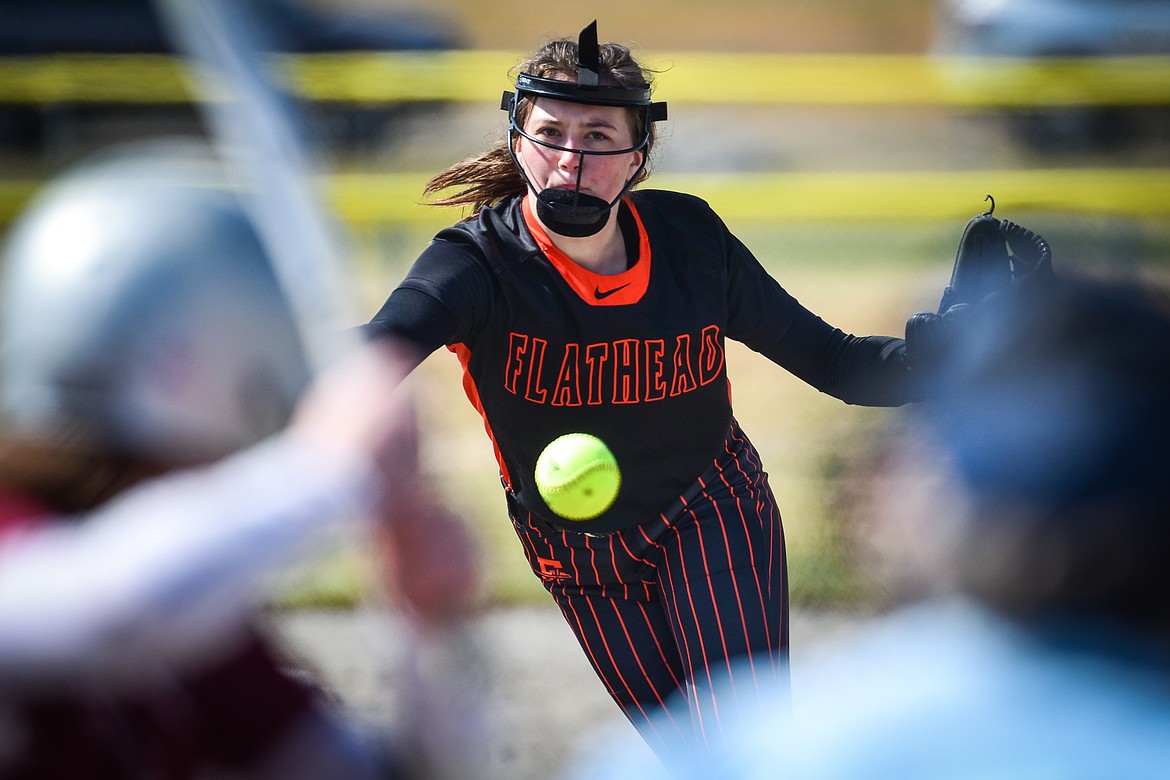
1055	411
141	314
1062	398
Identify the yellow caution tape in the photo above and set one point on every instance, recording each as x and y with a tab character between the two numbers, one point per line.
365	200
695	77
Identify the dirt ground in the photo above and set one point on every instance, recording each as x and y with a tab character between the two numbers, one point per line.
545	707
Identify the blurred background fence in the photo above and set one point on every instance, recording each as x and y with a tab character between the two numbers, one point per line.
55	91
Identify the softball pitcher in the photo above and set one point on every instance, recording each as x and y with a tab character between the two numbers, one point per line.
578	304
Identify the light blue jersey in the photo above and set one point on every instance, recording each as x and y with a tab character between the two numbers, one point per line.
947	690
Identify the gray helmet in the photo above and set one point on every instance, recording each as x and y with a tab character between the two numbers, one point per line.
141	313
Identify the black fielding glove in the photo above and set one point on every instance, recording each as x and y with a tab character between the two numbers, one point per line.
995	258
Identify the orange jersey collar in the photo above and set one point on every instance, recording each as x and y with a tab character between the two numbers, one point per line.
596	289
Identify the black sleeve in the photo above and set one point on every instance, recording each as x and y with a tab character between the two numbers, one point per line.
862	370
443	300
414	316
867	371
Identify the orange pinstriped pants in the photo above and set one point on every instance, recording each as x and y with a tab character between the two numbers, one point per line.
684	617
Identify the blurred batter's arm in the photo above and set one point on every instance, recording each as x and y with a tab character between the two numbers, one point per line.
168	571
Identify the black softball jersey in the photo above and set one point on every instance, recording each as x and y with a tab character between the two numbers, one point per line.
637	358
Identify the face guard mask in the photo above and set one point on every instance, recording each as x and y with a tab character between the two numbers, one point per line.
571	212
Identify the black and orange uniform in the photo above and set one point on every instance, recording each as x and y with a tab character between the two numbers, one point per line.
682	580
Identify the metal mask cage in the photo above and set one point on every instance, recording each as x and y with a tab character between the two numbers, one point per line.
511	102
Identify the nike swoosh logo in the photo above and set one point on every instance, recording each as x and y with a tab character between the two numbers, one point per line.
602	295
